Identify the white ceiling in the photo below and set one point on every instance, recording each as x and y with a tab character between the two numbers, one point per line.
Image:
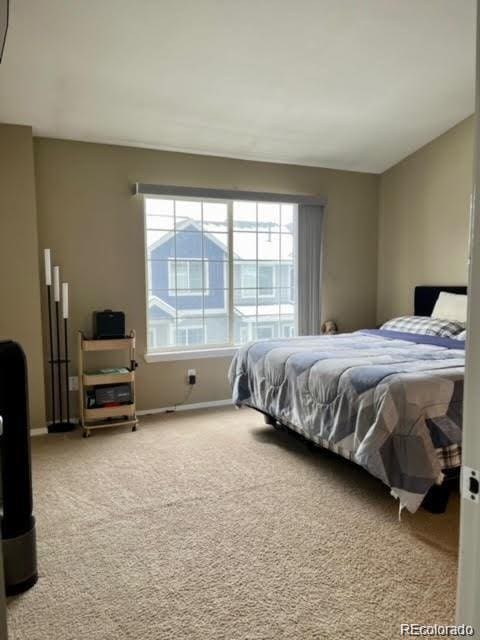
348	84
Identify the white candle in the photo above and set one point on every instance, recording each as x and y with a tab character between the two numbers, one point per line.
48	267
65	299
56	284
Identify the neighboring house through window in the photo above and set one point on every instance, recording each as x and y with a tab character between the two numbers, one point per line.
267	279
190	335
188	277
219	273
265	331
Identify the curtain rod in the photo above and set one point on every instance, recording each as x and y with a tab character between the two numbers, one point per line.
140	188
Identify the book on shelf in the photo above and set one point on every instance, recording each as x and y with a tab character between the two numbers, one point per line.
109	372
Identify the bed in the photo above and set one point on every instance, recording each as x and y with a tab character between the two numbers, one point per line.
390	402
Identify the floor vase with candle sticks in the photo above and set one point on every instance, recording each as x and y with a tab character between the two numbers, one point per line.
59	378
48	283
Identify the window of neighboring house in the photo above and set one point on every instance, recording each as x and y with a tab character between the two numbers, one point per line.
152	337
265	331
190	336
244	334
219	273
266	280
288	331
248	278
186	278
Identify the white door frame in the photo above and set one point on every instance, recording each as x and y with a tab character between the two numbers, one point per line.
468	596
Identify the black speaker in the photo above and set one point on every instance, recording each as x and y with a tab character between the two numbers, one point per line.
108	324
18	523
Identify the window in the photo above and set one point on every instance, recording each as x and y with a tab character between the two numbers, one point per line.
219	273
288	331
248	276
266	280
265	331
190	335
188	278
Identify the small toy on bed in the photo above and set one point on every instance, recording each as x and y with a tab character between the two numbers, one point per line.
329	327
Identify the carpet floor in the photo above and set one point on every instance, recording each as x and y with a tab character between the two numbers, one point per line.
210	525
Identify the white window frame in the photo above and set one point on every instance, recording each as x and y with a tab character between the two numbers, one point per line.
246	291
291	331
274	267
291	278
198	327
188	291
246	331
178	352
262	326
152	334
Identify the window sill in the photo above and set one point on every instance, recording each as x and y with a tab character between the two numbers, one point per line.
190	354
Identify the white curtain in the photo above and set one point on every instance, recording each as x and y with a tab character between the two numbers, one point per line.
309	268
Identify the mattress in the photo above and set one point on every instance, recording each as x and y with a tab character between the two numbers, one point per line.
389	401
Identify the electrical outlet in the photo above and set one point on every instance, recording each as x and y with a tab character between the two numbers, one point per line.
73	383
191	376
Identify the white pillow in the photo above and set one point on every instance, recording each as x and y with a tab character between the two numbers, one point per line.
451	306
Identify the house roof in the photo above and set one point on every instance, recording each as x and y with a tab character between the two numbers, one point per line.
246	242
154	302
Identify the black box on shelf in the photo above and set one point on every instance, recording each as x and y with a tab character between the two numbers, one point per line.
108	324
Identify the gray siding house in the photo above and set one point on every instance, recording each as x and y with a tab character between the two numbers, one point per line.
189	285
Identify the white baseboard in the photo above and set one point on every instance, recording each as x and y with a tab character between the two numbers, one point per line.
187	407
146	412
39	432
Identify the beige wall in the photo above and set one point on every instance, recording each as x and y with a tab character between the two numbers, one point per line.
424	220
95	227
19	266
87	215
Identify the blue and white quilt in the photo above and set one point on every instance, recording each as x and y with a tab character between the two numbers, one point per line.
389	401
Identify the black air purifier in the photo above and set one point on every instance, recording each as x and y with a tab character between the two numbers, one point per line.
18	523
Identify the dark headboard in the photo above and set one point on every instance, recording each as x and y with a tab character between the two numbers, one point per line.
426	297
